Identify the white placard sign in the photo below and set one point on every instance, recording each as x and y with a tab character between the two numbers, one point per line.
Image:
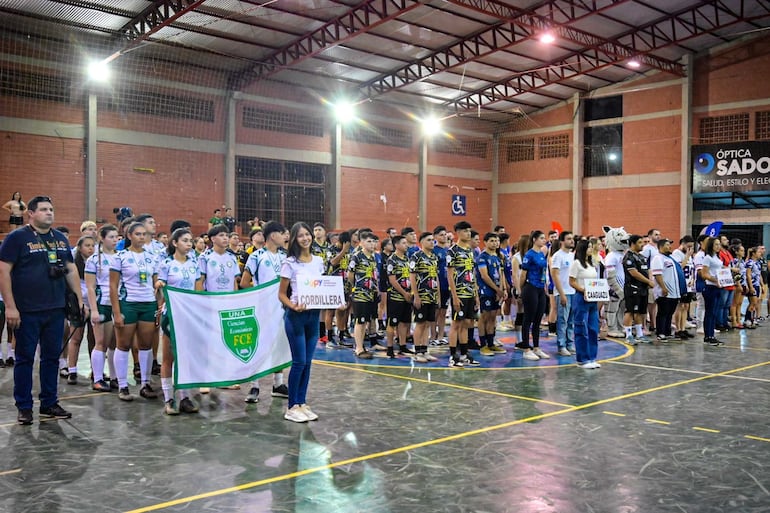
725	277
320	292
596	290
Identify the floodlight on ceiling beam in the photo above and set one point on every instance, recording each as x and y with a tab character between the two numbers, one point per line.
98	70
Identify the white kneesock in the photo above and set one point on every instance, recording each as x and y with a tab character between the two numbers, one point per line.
167	384
121	367
73	370
63	363
278	379
111	363
97	364
145	364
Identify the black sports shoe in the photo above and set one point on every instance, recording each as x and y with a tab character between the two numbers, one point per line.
155	368
25	417
148	392
280	391
114	384
55	412
137	371
2	363
9	362
72	379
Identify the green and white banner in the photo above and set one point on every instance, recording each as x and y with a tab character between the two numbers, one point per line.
224	338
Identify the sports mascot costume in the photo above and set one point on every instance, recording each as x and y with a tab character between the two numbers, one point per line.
617	245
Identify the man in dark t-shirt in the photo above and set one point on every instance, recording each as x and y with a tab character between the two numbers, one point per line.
635	290
36	267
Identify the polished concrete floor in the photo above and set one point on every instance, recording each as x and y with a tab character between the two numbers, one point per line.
677	427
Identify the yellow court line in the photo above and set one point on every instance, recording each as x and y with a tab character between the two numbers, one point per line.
655	421
428	443
757	438
613	413
9	472
688	371
707	430
450	385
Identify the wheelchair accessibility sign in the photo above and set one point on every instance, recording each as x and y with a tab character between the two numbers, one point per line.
458	205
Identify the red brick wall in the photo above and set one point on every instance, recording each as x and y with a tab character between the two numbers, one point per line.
637	209
361	204
521	213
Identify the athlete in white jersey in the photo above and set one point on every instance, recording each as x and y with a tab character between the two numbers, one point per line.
180	271
134	309
219	267
264	266
97	273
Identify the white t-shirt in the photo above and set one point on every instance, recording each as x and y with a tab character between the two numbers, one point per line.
689	269
649	251
292	269
713	264
580	273
219	271
562	260
664	266
136	275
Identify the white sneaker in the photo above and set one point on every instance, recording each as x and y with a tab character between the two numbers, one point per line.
296	414
541	354
597	365
430	357
310	414
420	358
564	352
204	390
691	325
530	355
585	365
700	331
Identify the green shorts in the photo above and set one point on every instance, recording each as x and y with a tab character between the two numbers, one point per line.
138	312
105	312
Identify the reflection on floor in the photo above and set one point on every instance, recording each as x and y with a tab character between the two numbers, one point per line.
679	427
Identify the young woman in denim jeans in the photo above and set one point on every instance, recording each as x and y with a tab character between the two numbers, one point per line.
301	323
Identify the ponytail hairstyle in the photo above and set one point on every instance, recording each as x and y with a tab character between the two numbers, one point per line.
131	229
103	231
533	237
175	236
80	262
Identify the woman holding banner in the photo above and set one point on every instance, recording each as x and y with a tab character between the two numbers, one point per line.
178	270
301	324
586	312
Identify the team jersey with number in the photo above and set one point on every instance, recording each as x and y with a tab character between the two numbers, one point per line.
219	271
181	275
399	268
365	278
492	264
425	267
265	265
464	264
99	265
136	273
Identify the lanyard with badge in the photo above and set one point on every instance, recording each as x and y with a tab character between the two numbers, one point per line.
142	268
53	256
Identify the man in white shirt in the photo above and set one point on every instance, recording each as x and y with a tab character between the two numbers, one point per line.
649	251
563	293
667	290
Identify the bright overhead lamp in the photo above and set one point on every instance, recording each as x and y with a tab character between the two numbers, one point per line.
344	111
634	63
547	38
98	71
431	126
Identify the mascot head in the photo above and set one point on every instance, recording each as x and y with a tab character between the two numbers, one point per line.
617	238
